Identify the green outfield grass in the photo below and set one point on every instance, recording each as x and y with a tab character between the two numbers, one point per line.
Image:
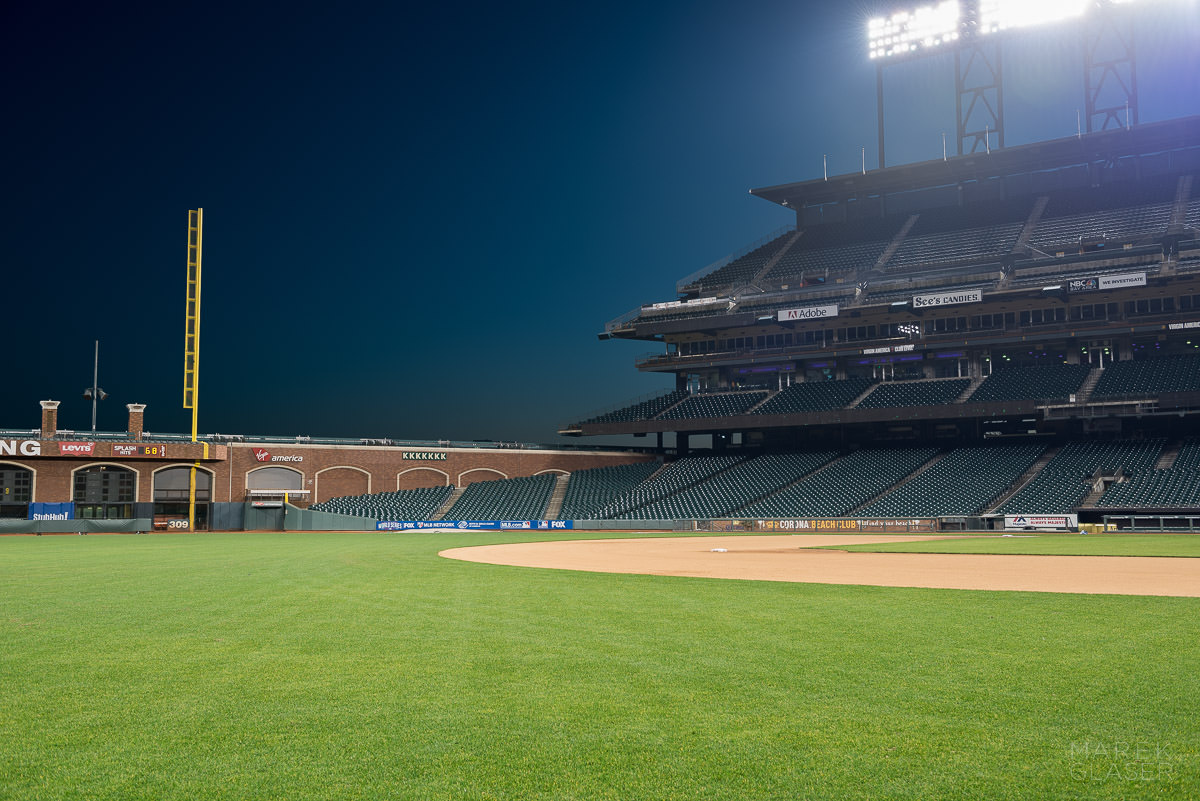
330	666
1050	545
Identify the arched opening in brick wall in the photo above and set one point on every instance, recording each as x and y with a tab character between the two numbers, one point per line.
172	488
104	491
280	478
468	477
16	490
341	480
421	478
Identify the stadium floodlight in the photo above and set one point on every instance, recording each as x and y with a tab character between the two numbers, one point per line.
909	32
974	30
1001	15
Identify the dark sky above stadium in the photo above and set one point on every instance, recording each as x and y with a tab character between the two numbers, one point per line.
417	218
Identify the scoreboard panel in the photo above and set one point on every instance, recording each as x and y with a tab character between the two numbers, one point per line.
153	451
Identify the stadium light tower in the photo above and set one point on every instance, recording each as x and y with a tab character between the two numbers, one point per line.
974	29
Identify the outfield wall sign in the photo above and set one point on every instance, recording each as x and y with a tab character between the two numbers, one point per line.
474	525
52	511
821	525
807	313
1041	521
424	456
76	448
158	451
947	299
20	447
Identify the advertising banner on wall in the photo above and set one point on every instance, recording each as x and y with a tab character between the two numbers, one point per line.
76	448
813	525
474	525
52	511
18	447
947	298
807	313
1122	281
1095	283
1041	521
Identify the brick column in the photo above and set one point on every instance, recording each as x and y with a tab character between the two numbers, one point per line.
135	419
49	418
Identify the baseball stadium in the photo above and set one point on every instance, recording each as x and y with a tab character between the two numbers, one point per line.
917	520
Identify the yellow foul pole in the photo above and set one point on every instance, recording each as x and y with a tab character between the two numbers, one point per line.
191	348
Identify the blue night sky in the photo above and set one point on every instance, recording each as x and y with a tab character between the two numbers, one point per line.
418	219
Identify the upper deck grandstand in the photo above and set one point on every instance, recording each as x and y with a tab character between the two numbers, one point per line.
1039	277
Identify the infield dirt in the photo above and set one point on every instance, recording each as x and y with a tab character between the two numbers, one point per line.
799	558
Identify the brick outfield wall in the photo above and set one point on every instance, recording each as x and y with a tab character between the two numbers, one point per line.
327	471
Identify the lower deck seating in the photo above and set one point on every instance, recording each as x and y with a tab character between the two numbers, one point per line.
1067	479
589	490
1188	457
843	485
416	504
1173	488
678	475
961	483
511	498
723	493
1155	489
